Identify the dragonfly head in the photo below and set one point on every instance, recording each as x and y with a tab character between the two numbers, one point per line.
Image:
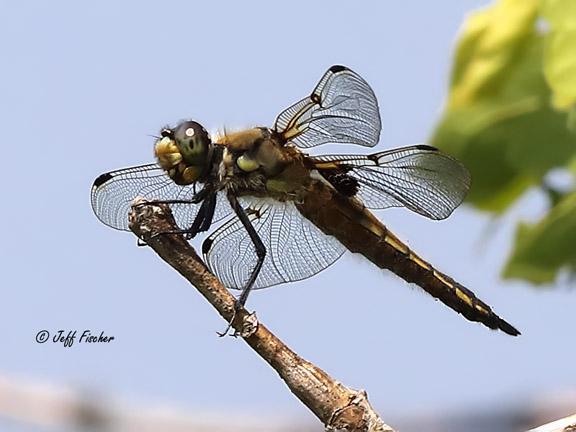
184	152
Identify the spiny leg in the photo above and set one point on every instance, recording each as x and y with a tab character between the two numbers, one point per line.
260	254
196	198
203	219
209	215
142	243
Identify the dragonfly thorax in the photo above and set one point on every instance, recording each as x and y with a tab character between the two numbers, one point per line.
253	150
184	152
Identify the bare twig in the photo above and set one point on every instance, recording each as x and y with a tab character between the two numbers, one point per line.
567	424
337	406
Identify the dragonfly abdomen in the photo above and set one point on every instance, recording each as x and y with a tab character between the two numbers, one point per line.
410	267
361	232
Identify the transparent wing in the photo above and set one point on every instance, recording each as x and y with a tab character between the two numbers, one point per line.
295	248
113	193
341	109
420	178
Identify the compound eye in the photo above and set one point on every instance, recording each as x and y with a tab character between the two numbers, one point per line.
192	140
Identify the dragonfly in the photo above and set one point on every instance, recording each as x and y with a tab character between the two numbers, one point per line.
285	215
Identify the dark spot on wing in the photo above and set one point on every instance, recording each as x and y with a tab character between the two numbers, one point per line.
103	178
342	182
206	245
426	147
337	68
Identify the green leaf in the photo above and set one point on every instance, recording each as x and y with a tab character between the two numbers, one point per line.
487	47
539	141
560	54
572	120
511	118
543	249
495	181
507	135
481	133
561	14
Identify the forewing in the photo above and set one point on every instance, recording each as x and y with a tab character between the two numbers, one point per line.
420	178
113	193
295	248
341	109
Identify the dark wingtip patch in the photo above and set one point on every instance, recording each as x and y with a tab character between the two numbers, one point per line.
206	245
337	68
103	178
426	147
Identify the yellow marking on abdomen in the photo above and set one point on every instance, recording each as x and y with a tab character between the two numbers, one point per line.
449	285
482	309
465	298
459	293
396	244
415	258
443	279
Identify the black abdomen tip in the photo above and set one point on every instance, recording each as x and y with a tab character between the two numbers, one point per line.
508	328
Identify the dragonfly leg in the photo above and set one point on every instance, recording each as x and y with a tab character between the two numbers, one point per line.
258	245
202	221
260	253
206	222
196	198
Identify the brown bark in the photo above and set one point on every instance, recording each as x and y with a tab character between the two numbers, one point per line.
566	424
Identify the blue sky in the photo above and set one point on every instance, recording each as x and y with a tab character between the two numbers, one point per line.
83	86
